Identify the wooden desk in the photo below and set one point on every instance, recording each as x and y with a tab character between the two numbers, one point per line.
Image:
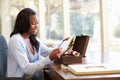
54	72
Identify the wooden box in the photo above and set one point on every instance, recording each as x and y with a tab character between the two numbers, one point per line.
69	59
80	45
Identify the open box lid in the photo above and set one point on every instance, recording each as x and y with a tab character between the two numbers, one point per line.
81	43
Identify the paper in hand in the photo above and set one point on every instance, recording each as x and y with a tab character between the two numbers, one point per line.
65	45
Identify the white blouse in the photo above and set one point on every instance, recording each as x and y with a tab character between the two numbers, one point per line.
20	61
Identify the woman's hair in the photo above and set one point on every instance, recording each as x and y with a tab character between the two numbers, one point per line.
22	25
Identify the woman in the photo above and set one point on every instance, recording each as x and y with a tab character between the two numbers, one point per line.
26	54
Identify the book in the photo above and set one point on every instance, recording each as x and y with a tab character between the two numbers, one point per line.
93	69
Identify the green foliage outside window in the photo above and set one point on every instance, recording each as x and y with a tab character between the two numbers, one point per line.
81	24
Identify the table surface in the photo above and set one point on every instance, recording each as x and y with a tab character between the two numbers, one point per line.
54	71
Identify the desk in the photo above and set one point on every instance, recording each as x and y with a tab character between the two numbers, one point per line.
54	72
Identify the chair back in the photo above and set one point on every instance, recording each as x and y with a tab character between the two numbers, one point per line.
3	56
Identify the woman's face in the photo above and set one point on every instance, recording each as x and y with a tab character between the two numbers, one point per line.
33	24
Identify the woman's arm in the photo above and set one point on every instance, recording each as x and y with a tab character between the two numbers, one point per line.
18	51
43	49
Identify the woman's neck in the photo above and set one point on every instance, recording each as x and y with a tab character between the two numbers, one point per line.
27	40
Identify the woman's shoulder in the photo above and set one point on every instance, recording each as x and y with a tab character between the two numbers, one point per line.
16	37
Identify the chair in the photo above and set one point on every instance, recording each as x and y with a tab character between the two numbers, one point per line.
3	61
3	56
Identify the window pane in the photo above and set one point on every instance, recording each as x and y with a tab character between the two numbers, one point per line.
17	5
114	30
85	19
54	25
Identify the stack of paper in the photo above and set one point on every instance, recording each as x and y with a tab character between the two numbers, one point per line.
65	45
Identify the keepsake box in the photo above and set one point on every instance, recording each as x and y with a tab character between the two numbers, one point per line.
80	45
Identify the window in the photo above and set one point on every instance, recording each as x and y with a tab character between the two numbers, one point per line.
114	30
72	18
8	12
17	5
54	25
100	19
85	20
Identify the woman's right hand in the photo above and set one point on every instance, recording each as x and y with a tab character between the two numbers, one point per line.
55	54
